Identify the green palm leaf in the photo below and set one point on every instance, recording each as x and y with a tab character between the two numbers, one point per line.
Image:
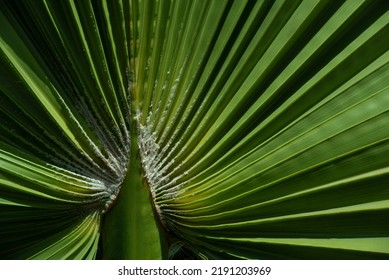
257	129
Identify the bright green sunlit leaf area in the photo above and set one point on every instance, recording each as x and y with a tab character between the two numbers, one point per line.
196	129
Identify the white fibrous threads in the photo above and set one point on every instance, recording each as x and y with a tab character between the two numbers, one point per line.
113	162
149	149
156	169
112	187
98	184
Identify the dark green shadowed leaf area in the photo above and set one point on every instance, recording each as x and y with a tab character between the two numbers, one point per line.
194	129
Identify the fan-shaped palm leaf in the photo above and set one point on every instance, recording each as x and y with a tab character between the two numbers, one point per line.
259	129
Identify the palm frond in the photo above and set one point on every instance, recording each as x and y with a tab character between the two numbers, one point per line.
267	125
65	143
257	128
